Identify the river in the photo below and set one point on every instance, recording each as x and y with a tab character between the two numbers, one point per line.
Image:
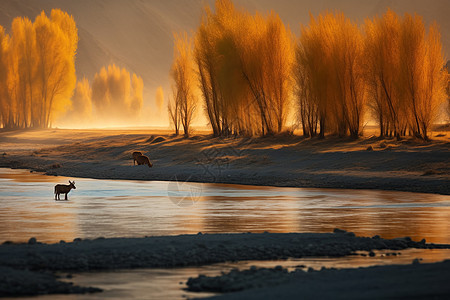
125	208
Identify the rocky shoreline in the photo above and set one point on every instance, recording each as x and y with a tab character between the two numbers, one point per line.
34	260
414	281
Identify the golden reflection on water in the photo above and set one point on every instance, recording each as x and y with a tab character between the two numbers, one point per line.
47	221
27	176
117	208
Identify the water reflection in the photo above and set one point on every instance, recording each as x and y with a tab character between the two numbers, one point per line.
113	208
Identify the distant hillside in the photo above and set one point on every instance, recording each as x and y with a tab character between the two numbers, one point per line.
137	34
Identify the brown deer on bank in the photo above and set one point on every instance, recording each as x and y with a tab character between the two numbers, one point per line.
135	155
143	160
64	189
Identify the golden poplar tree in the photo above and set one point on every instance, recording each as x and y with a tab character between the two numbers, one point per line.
382	38
244	64
307	104
116	95
183	76
4	99
314	57
56	43
23	68
422	78
40	63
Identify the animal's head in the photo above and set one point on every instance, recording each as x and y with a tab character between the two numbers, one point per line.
72	184
136	154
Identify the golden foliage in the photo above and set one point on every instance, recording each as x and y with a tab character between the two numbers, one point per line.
382	67
329	64
183	105
82	101
248	69
40	62
405	71
116	95
159	98
244	65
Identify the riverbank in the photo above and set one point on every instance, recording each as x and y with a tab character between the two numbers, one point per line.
24	264
367	163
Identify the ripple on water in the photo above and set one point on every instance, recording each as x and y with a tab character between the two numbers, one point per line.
122	208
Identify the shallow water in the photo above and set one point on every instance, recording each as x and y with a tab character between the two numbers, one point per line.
125	208
119	208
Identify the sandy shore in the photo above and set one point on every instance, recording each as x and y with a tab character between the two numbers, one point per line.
407	165
25	264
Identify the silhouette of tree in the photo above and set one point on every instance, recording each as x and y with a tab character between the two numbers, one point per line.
183	76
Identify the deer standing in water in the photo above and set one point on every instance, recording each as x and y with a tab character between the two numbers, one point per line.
64	189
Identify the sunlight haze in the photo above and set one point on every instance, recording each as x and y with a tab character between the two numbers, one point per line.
138	35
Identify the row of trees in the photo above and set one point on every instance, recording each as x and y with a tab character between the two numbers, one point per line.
37	69
115	97
250	71
242	67
406	77
37	78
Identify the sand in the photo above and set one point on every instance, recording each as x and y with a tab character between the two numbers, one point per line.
406	165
